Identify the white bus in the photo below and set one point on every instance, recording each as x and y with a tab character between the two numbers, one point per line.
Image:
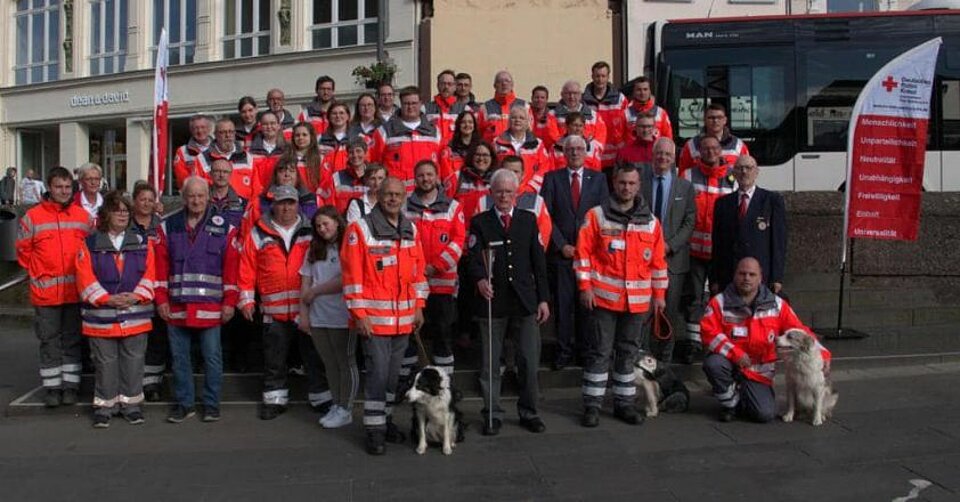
789	84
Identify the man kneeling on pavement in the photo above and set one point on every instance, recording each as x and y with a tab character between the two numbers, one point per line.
739	330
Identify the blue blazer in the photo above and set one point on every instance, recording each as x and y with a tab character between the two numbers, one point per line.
761	234
566	222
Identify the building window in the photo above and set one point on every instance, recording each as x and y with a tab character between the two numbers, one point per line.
343	23
38	41
246	28
108	36
180	19
851	5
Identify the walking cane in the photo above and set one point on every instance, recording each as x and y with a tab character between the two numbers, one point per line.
488	263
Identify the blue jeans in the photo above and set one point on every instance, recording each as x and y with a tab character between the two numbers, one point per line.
180	338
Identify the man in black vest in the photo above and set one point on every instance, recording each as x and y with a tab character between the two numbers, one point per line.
505	239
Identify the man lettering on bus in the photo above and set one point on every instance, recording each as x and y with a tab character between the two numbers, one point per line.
715	125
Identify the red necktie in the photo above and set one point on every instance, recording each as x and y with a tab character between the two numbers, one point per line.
505	218
744	202
575	191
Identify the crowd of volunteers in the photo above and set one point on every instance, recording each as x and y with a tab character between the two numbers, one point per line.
348	232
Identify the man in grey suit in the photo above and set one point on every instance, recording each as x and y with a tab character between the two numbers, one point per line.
671	200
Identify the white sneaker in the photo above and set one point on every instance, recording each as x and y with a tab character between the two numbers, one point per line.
341	418
331	413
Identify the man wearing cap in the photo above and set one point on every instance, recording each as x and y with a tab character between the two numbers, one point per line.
273	252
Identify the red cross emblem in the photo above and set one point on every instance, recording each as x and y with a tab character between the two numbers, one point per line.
889	84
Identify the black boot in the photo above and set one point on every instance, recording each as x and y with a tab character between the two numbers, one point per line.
376	442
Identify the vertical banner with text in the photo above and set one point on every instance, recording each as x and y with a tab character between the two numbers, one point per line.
887	143
161	102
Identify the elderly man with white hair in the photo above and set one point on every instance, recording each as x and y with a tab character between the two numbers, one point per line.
199	293
509	269
570	101
569	194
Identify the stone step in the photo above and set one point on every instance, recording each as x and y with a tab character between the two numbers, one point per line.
872	317
868	297
243	390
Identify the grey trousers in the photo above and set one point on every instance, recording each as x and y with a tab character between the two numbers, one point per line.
527	335
58	329
663	349
382	356
616	340
337	350
118	384
752	400
695	299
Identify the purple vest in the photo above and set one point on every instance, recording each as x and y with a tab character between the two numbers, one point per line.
102	254
231	208
196	268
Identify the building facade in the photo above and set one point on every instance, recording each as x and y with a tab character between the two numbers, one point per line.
77	75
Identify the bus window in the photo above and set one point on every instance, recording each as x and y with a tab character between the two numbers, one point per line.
833	74
950	113
756	87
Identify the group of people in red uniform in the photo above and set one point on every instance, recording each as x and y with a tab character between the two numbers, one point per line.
374	222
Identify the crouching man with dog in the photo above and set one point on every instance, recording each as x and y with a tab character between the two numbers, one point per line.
621	271
739	330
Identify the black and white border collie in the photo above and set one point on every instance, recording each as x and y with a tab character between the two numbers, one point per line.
436	418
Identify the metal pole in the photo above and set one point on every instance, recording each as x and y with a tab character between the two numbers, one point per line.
843	270
381	24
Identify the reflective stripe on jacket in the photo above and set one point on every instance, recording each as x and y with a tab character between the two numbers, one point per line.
610	109
48	239
732	329
383	278
202	269
401	148
621	259
732	148
267	267
536	160
441	230
709	184
103	271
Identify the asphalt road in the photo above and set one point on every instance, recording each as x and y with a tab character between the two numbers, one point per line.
895	436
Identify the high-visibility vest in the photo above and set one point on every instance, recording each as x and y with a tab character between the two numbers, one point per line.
201	272
103	271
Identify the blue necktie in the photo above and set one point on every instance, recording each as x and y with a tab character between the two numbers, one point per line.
658	199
